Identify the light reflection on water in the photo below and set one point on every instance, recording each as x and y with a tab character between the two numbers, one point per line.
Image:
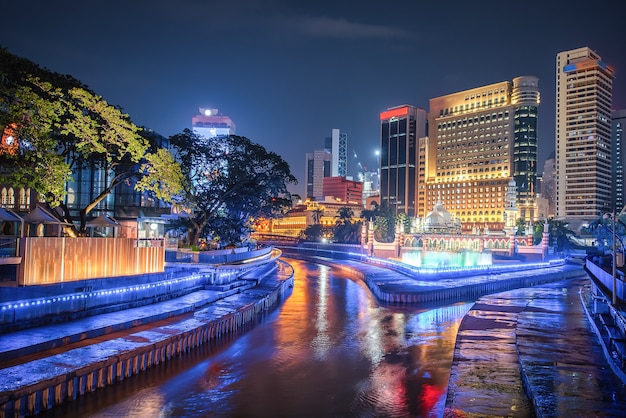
328	350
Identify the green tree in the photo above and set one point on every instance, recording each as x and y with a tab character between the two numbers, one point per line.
313	233
559	233
318	213
384	224
370	214
63	127
346	230
602	230
228	182
538	231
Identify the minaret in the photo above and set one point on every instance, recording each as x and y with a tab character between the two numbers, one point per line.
510	209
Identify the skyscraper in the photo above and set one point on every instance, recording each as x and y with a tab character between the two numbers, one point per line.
583	135
318	166
337	145
479	140
400	129
618	158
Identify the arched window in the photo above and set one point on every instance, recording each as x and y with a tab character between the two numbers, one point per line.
11	197
24	201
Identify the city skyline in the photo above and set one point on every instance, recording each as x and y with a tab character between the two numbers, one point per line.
288	73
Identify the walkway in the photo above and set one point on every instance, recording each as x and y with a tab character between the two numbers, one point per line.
537	342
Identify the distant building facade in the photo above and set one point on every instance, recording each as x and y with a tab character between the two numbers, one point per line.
583	135
371	183
618	157
343	189
479	140
400	129
337	145
547	190
324	212
318	166
209	123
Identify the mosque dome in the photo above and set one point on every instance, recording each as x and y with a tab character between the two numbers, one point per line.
438	218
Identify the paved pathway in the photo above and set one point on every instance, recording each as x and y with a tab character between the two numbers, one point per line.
540	336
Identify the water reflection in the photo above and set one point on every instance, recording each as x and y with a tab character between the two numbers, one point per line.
329	350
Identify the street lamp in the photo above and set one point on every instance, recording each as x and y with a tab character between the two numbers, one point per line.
614	262
613	269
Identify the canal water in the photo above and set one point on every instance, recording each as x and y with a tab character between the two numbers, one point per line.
329	350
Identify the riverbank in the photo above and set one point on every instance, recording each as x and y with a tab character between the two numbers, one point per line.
32	380
532	352
34	384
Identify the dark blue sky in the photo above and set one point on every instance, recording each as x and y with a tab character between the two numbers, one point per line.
288	72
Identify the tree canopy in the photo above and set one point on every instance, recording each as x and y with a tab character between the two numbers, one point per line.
63	127
229	181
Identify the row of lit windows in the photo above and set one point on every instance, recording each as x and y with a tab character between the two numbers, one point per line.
464	150
461	122
457	185
462	143
484	160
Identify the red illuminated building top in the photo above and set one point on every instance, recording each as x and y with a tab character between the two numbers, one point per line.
394	113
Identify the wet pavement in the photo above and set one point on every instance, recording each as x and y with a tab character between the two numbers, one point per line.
537	342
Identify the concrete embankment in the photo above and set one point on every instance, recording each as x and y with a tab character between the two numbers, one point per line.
407	287
532	352
31	387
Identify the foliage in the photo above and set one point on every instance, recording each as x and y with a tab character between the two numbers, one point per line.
521	227
559	233
228	181
63	127
346	230
602	230
405	222
538	231
370	214
317	215
384	224
315	233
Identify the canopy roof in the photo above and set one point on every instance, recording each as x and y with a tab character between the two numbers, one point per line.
103	220
8	216
41	216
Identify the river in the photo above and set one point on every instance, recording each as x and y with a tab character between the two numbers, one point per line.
329	350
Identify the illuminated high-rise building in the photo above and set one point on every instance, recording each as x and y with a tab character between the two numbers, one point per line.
618	158
400	129
337	145
211	124
583	135
479	140
318	166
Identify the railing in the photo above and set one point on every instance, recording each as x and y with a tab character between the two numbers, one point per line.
606	279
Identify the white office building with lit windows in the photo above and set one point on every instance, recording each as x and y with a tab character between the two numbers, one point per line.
583	135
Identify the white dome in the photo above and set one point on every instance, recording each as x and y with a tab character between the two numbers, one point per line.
438	216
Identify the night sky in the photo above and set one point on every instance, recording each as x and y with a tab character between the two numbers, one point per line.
287	72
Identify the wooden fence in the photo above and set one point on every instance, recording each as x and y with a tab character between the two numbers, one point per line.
53	260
